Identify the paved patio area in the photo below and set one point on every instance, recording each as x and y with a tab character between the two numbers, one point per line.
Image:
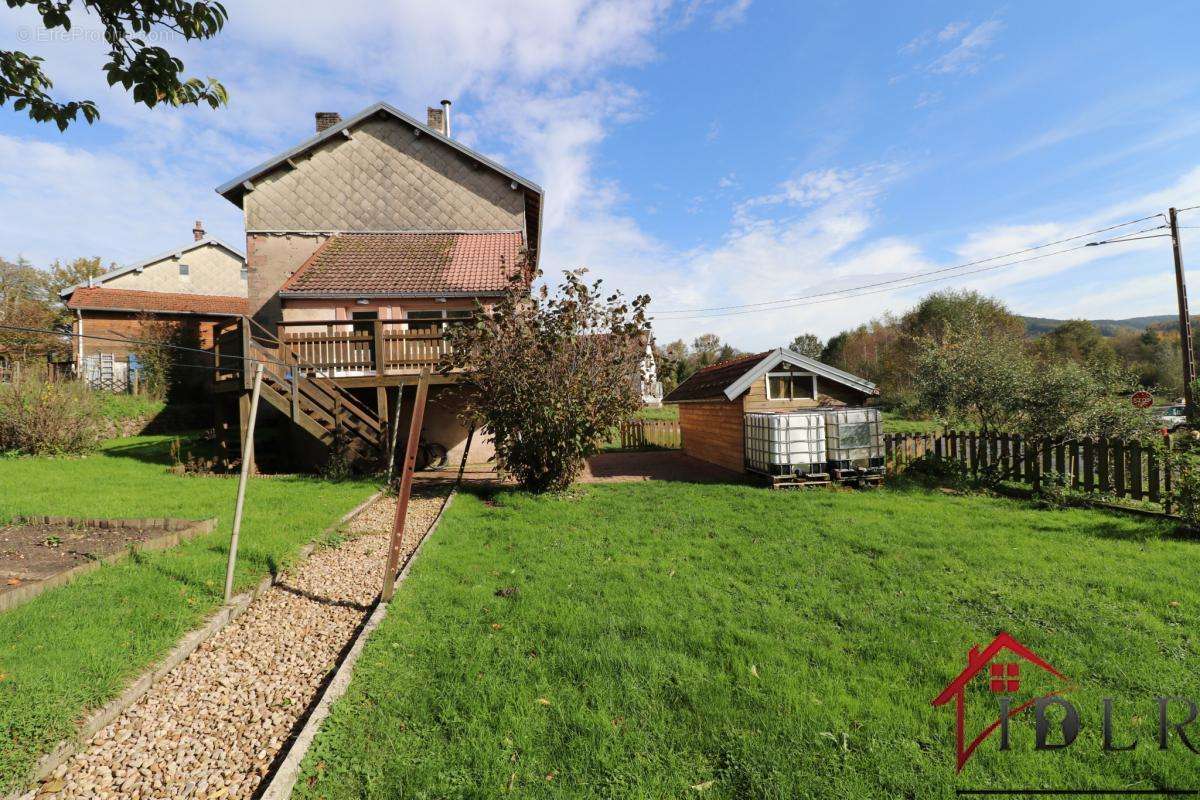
648	465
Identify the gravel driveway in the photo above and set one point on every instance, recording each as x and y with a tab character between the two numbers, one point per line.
214	725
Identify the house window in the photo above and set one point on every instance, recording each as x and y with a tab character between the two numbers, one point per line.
245	273
791	386
184	270
427	321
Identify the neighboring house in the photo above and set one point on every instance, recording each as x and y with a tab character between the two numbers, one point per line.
713	401
363	243
194	287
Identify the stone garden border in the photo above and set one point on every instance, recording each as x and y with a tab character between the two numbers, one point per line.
176	531
101	717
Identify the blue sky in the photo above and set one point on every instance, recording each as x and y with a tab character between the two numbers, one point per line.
707	152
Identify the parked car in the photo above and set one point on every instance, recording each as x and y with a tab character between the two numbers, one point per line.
1172	417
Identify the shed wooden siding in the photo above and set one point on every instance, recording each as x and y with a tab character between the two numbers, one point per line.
829	393
712	431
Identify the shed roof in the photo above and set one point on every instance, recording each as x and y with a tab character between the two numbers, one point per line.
408	264
727	380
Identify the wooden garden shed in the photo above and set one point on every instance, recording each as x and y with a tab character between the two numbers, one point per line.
714	400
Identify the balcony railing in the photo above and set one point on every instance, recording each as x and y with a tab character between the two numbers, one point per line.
347	348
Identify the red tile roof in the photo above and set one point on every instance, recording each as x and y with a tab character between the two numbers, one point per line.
711	382
108	299
409	264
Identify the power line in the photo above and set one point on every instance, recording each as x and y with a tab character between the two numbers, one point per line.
883	290
126	340
767	304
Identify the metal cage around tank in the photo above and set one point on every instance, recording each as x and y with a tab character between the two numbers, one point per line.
854	439
790	443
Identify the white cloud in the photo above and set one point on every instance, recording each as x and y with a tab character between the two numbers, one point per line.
966	56
926	99
732	14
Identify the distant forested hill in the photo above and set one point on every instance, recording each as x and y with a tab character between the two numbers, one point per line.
1036	326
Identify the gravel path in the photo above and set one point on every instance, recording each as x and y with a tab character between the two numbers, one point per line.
212	727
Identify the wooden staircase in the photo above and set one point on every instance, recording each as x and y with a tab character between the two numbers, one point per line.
301	392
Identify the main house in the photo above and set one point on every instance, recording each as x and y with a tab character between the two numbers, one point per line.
363	243
193	287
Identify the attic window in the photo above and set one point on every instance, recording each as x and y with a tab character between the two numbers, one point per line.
184	270
245	272
791	385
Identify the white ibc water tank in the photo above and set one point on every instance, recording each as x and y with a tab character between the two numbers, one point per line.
785	443
854	438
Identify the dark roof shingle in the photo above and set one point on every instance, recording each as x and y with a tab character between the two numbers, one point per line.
711	381
409	264
110	299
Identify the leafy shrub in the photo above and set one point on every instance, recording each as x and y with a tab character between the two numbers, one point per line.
1184	462
43	417
550	376
933	471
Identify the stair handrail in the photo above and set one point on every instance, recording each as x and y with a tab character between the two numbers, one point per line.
325	383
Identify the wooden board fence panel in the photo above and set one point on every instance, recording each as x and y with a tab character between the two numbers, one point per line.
1128	469
640	434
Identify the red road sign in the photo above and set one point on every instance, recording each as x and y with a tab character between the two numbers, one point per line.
1142	399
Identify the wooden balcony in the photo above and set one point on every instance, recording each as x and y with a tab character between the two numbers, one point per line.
352	353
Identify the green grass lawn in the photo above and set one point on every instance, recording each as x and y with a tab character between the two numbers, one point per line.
120	407
668	640
893	424
76	647
669	413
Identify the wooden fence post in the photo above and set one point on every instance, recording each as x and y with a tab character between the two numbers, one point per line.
1118	456
405	491
1102	465
247	460
1135	469
1167	466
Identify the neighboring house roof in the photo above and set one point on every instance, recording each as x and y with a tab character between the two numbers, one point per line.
140	265
727	380
408	264
102	298
235	188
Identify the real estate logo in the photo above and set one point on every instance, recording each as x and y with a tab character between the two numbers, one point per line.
1007	678
996	666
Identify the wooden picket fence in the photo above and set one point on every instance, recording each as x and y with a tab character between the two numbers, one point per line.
639	434
1128	469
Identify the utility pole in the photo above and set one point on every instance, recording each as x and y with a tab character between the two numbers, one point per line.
1185	319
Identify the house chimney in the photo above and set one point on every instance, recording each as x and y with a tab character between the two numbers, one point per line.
436	118
327	119
198	231
446	118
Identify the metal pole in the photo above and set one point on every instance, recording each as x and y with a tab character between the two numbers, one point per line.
247	457
405	491
1185	319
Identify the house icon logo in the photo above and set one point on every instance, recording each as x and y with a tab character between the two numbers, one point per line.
998	670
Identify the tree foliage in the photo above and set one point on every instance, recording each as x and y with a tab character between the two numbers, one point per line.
149	71
992	381
677	361
29	298
807	344
156	353
25	302
549	375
